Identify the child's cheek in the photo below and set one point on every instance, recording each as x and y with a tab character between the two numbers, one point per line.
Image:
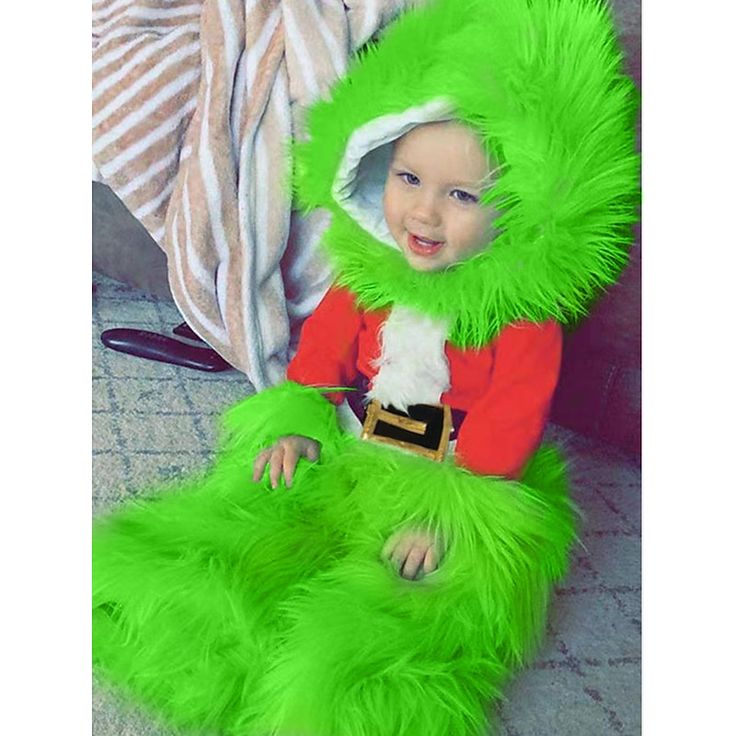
392	208
482	233
389	197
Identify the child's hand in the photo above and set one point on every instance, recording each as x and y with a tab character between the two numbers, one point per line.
283	457
414	553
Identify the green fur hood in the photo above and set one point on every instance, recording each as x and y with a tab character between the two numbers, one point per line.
541	82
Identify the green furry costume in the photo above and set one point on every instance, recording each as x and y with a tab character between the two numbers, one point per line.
230	608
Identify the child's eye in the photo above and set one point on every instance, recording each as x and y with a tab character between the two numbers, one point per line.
408	178
465	197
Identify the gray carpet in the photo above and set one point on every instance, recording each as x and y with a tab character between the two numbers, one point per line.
152	422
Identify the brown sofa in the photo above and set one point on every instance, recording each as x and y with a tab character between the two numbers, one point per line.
599	393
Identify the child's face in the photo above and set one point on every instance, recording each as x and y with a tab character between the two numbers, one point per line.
431	199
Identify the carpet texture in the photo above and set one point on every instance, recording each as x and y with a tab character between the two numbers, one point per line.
153	422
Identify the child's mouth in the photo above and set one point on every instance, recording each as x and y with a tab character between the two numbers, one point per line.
423	246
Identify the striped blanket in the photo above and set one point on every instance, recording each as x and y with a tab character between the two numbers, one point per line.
194	102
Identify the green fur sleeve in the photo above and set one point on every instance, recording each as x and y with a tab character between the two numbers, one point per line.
289	408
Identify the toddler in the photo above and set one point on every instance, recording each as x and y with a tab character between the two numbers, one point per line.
433	210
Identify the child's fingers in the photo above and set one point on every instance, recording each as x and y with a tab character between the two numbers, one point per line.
390	546
259	464
291	457
431	560
413	562
276	462
413	554
399	552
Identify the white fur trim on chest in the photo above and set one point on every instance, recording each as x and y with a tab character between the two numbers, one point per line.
412	367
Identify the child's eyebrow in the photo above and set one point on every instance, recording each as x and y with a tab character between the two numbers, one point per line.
398	163
467	184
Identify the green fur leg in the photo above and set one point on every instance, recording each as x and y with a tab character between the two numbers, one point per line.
230	607
185	593
368	653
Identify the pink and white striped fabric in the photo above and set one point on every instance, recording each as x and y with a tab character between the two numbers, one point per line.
194	102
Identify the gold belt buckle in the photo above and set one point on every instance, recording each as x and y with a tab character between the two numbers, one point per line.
423	429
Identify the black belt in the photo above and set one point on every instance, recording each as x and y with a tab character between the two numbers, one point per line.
425	429
422	428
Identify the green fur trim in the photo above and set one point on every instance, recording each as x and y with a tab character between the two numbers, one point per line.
542	82
289	408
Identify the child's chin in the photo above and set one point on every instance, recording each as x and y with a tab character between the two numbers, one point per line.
425	263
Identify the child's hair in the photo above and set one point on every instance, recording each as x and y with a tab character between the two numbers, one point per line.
492	176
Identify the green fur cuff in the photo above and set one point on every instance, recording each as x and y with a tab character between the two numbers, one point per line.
286	409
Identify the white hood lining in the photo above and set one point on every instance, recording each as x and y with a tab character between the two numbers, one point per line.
361	176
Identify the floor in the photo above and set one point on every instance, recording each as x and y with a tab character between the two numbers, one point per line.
152	422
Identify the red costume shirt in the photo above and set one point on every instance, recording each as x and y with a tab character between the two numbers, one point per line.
505	387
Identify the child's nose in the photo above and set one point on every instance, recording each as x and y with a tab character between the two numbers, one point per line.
425	210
